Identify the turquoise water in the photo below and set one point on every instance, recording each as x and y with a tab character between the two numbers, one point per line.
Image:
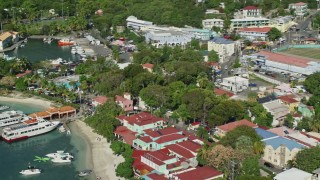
36	50
17	155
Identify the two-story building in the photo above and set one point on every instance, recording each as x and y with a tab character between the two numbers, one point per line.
235	84
210	23
278	110
300	8
8	38
142	121
158	139
125	102
282	23
254	34
249	22
278	150
224	47
248	12
135	23
290	102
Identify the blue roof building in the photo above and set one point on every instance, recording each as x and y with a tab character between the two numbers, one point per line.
279	150
265	134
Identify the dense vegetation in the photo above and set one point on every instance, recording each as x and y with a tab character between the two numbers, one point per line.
307	159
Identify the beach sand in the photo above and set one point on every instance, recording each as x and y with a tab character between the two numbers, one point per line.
103	159
27	100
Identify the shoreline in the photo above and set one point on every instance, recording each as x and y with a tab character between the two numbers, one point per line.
102	157
45	104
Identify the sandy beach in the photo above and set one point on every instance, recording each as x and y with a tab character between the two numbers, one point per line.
102	156
27	100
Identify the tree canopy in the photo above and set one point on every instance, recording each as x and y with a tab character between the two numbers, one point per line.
308	159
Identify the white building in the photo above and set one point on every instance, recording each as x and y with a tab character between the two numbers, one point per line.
8	38
235	84
210	23
249	22
173	36
294	173
135	23
254	34
223	47
282	23
300	8
248	12
284	63
278	110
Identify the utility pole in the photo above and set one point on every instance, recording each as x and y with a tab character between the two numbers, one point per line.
62	10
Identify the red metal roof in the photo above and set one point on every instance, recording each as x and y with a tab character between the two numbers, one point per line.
195	124
137	164
162	132
287	99
190	145
155	176
141	119
285	59
231	126
300	4
138	153
250	8
158	157
199	173
169	138
127	135
261	30
23	74
100	99
146	139
221	92
180	151
148	65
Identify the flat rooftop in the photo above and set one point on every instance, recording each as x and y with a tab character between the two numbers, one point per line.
285	59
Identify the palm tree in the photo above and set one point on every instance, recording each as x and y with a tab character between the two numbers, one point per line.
203	152
314	124
258	147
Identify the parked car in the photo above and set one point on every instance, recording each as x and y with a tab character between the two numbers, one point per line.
269	165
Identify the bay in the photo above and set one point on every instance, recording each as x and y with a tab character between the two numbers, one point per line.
16	156
36	50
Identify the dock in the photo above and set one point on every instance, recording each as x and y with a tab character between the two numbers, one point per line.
11	48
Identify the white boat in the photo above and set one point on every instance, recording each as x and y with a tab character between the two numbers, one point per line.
4	108
73	51
8	118
59	154
65	159
28	128
30	171
85	172
57	61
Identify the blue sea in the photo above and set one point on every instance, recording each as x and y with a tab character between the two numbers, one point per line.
15	157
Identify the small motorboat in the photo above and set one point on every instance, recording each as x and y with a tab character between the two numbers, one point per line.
30	171
65	159
59	154
4	108
85	172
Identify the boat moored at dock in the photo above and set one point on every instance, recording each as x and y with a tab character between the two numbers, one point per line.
12	117
28	128
66	42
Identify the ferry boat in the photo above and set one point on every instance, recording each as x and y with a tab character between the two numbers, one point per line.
28	128
12	117
4	107
65	42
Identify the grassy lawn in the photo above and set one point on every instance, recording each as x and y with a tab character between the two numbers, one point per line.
310	53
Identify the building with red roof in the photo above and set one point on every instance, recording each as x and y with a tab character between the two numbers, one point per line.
221	92
125	102
248	12
148	67
186	149
125	134
24	73
158	139
99	100
254	33
199	173
223	129
142	121
300	8
286	63
290	102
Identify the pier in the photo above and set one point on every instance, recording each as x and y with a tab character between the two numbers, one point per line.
11	48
